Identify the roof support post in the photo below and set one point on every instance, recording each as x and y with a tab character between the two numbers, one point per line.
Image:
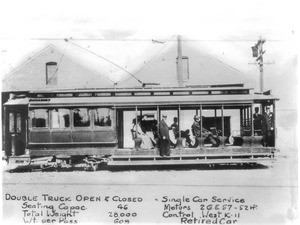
248	117
215	119
245	117
158	118
136	119
223	126
201	121
275	126
179	120
179	144
252	123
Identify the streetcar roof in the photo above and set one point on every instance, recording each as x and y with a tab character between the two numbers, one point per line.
138	89
142	96
148	100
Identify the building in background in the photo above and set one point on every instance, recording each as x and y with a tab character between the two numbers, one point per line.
71	67
198	68
51	68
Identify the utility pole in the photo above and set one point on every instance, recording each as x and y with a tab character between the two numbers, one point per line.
258	52
179	62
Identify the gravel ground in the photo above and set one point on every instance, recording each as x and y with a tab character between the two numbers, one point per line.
281	172
272	187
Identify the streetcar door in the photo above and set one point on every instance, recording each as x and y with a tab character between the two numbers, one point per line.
16	130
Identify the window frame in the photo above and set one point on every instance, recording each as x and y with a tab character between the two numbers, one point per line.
59	128
90	118
11	123
39	128
96	127
18	122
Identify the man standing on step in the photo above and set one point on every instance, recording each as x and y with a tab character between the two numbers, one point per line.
164	139
268	127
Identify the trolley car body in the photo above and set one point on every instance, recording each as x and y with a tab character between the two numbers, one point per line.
97	123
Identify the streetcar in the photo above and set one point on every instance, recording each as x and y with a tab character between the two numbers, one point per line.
56	128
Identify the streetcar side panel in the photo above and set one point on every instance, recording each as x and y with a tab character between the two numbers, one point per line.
72	131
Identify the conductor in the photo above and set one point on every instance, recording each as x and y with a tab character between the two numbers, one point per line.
164	139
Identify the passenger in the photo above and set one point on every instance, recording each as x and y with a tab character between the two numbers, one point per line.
164	138
148	129
174	132
102	123
77	118
268	127
143	123
197	130
154	129
184	134
67	120
108	121
33	120
139	133
257	122
175	127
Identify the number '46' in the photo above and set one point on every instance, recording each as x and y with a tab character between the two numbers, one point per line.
125	207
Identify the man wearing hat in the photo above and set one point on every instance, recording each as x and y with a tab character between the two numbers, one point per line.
164	139
257	121
268	127
197	130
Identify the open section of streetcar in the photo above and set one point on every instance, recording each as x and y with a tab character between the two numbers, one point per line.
119	126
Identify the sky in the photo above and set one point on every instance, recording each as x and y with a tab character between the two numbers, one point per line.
225	30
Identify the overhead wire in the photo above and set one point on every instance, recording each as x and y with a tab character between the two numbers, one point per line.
105	60
216	59
166	43
98	76
140	39
185	41
21	65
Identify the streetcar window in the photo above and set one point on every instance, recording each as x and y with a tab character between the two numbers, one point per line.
18	122
60	118
81	117
39	118
103	117
11	122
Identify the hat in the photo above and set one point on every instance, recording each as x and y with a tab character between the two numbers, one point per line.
164	115
196	117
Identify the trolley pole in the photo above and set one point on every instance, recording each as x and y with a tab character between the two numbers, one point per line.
258	52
